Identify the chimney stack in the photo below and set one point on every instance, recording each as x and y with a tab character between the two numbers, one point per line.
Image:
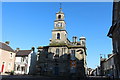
17	49
7	42
33	49
83	40
74	39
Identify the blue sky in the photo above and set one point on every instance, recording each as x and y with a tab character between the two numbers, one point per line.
27	24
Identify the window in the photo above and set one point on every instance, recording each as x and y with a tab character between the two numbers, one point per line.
57	51
58	35
59	16
73	51
11	55
22	59
72	54
64	50
18	68
23	68
9	66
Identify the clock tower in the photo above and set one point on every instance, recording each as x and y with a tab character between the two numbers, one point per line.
59	23
62	55
59	33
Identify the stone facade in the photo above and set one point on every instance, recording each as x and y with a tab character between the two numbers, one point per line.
114	33
62	57
108	65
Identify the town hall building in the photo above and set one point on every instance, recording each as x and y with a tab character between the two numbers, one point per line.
62	56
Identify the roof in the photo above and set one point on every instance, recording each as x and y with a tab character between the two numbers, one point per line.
76	46
111	56
23	52
116	20
40	47
111	31
60	12
113	28
6	47
62	45
106	59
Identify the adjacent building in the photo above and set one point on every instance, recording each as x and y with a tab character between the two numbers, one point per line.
107	65
62	56
114	33
7	58
89	71
25	62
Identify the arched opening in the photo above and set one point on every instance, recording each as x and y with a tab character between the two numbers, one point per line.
59	16
58	35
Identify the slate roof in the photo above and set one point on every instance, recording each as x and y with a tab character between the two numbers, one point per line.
6	47
23	53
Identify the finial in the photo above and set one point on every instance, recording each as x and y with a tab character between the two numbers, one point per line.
60	6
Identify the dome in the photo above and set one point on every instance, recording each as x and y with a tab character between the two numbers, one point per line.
82	38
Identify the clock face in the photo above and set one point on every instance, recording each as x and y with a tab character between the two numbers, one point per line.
59	24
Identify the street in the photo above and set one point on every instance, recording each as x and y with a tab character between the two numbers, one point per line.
28	77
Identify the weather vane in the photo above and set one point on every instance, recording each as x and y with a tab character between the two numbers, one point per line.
60	6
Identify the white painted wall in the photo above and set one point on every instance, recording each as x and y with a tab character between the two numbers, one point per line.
18	59
32	58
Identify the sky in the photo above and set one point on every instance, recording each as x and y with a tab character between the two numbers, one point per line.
59	0
28	24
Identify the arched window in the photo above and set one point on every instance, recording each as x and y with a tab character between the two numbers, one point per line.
59	16
57	51
58	35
